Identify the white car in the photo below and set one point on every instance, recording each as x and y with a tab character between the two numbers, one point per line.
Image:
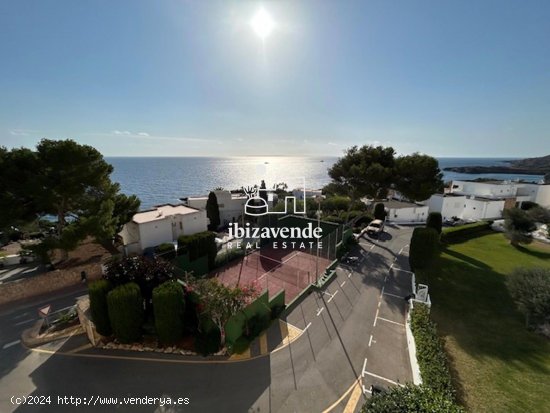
376	227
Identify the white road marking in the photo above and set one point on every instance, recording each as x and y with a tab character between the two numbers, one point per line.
364	368
383	378
349	275
399	269
24	322
308	325
365	390
330	299
13	343
376	317
394	295
320	311
344	283
390	321
391	267
370	340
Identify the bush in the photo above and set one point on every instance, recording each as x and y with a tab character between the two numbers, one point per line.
125	305
518	224
208	338
97	292
530	289
166	251
380	211
424	248
464	232
429	352
169	310
276	311
230	255
256	324
435	221
240	345
145	272
527	205
335	203
411	398
200	244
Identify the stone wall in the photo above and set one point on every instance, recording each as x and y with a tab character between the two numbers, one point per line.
47	282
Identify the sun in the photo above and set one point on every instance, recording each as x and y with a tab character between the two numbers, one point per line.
262	24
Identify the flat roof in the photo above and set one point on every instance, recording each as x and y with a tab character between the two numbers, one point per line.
162	211
400	204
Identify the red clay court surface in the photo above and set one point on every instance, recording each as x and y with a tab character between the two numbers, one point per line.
274	270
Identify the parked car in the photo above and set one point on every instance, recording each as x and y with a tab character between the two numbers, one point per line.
351	260
376	227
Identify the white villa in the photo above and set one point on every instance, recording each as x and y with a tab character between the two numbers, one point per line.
474	200
405	212
231	205
301	193
164	223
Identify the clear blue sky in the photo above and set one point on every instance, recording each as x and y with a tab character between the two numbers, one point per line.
186	78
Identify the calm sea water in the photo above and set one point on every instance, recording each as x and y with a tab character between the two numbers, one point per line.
162	180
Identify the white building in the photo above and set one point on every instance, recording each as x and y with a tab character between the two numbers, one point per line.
231	205
301	193
164	223
405	212
474	200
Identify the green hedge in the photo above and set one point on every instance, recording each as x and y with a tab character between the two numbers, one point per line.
208	338
169	311
410	398
97	292
464	232
424	248
125	305
198	245
435	221
432	359
166	250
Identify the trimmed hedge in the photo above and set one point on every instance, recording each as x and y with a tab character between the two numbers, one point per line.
432	359
410	398
208	338
200	244
464	232
169	311
97	292
435	221
166	250
424	248
125	305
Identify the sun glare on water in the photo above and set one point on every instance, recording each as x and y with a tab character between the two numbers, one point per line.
262	24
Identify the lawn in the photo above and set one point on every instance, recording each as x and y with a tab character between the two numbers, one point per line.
497	365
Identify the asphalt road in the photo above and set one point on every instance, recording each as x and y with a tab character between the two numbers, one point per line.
353	333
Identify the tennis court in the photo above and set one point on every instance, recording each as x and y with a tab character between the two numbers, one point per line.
275	270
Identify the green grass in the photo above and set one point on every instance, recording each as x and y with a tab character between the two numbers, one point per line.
497	365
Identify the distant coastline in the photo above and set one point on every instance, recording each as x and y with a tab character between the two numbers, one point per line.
527	166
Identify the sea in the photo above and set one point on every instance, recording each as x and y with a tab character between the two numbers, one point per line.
159	180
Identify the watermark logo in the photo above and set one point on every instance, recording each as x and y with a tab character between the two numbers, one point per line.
256	205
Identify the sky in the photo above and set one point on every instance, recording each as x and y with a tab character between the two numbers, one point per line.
192	78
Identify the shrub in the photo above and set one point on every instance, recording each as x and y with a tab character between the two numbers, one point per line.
145	272
380	211
97	292
530	288
429	352
256	324
208	338
230	255
169	310
411	398
125	305
518	224
240	345
166	251
435	221
335	203
424	248
213	211
464	232
527	205
200	244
